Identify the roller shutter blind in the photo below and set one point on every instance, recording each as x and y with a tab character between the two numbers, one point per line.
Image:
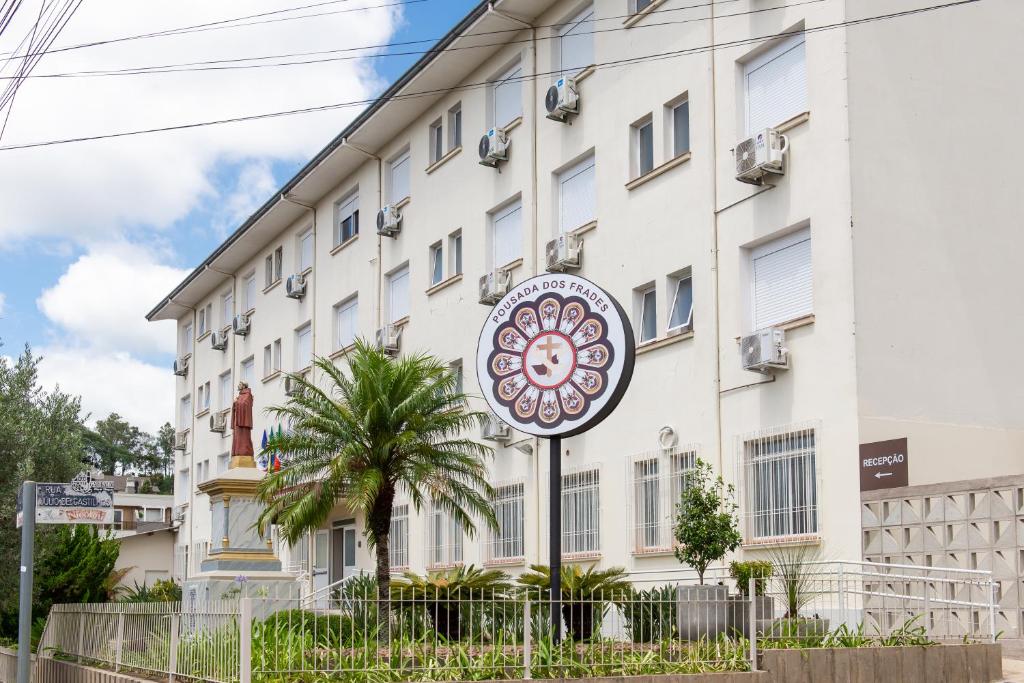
576	196
576	43
508	97
776	85
783	280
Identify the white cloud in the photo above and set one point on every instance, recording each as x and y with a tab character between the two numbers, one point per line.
100	302
3	302
111	382
254	184
97	190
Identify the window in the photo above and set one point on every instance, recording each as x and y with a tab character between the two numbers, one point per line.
118	518
775	85
658	482
399	188
182	488
780	474
304	347
223	462
185	413
581	512
247	370
272	358
455	253
398	293
347	224
205	315
186	340
306	251
648	309
346	323
643	147
227	308
203	397
455	126
436	263
506	234
398	539
576	43
641	5
679	119
680	315
507	542
782	279
576	196
436	141
444	539
272	267
456	369
507	98
226	396
249	301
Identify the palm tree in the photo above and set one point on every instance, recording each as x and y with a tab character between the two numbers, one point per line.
383	427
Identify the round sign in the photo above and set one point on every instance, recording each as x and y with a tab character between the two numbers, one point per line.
555	355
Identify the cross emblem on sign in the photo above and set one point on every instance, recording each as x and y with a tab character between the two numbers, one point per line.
549	346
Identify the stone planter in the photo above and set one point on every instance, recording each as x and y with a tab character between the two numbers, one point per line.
739	614
703	611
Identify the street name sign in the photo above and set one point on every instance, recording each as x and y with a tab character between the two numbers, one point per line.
80	501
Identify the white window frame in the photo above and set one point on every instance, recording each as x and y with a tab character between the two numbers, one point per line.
637	144
781	481
445	539
302	332
398	538
436	141
657	479
455	126
510	78
436	263
637	6
342	338
345	209
672	130
273	266
227	309
565	181
305	251
205	319
583	19
456	367
643	308
761	60
455	253
203	397
400	160
498	258
225	394
187	340
675	282
397	312
249	292
185	413
793	240
507	543
247	370
581	513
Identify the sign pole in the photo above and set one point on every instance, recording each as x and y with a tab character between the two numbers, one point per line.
555	536
28	533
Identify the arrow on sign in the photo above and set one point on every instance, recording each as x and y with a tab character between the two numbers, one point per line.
879	475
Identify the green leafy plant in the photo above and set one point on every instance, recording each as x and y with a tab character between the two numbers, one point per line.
742	572
793	569
650	615
378	427
585	594
706	525
448	596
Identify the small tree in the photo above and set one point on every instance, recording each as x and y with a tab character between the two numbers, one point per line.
706	525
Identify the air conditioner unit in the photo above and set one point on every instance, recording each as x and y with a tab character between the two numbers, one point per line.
562	99
179	513
389	221
495	430
181	366
494	147
494	285
291	386
295	286
765	350
388	338
180	441
219	341
241	324
219	421
564	253
759	155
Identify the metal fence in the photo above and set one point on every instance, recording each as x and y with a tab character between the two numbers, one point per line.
438	632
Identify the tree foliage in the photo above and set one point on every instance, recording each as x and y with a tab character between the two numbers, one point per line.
381	427
706	525
75	567
117	447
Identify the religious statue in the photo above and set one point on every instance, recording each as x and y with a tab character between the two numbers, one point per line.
241	428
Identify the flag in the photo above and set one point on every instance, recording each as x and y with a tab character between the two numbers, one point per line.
277	461
262	460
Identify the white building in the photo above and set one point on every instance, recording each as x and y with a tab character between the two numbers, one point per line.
886	252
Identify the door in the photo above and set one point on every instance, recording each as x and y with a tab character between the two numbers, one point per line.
343	551
320	569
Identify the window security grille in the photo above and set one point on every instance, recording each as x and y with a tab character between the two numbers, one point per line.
444	540
658	480
506	544
780	480
398	539
581	512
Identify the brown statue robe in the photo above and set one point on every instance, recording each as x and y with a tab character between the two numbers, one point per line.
241	424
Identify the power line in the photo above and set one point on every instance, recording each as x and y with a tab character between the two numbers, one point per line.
213	65
428	93
227	23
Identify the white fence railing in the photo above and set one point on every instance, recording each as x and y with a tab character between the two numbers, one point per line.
432	632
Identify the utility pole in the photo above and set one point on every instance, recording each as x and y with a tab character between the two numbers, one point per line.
28	537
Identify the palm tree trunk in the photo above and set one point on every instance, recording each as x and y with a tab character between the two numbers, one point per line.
383	588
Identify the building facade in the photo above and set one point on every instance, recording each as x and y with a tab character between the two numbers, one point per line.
859	252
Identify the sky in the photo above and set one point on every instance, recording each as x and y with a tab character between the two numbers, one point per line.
93	234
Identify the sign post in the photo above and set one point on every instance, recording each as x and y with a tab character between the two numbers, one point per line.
28	537
554	359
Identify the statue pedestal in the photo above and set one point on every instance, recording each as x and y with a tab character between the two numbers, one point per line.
240	563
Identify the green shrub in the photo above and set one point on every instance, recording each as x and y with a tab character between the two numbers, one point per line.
743	571
650	615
